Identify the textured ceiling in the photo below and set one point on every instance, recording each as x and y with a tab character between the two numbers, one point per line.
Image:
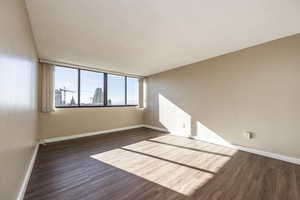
144	37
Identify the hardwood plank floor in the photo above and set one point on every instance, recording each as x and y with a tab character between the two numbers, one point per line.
145	164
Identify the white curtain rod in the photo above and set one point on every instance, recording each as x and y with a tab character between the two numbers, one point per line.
88	68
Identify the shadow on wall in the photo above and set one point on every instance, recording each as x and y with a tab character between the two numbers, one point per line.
178	122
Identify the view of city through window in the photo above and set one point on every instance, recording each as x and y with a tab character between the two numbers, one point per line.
132	91
66	86
115	90
92	88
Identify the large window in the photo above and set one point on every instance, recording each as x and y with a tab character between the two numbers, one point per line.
115	90
66	87
91	88
84	88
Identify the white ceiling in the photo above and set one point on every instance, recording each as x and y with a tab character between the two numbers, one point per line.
144	37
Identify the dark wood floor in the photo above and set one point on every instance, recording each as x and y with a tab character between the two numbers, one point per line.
143	164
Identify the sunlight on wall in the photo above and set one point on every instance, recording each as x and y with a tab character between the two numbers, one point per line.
17	74
205	134
174	118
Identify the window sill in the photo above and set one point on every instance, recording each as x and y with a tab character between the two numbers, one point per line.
96	106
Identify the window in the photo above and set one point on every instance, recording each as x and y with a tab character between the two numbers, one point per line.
66	87
132	91
115	90
85	88
91	88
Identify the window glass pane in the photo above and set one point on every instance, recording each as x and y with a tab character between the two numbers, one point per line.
66	86
91	88
115	90
132	91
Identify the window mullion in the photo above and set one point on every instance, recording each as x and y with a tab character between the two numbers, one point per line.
125	90
78	87
105	89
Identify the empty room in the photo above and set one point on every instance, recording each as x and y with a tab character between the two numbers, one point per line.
149	100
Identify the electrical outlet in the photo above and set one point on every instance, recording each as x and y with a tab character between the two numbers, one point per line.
249	135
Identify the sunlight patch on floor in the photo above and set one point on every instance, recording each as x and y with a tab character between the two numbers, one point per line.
177	168
175	177
180	155
195	144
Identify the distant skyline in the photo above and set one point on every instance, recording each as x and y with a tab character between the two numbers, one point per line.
89	83
97	99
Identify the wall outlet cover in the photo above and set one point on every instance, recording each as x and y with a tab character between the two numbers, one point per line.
249	135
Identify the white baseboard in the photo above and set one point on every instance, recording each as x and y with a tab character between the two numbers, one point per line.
28	174
156	128
270	155
57	139
239	147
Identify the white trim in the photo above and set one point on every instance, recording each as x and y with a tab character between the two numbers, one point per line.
256	151
28	174
88	68
270	155
57	139
238	147
156	128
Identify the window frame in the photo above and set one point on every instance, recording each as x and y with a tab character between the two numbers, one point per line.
79	88
104	87
126	93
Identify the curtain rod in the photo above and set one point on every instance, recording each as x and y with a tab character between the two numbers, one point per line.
88	68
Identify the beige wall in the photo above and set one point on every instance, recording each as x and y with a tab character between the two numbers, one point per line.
255	89
71	121
18	102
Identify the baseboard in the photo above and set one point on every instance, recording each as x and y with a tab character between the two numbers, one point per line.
57	139
28	174
156	128
269	154
239	147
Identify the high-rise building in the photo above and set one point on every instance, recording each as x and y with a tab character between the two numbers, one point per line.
98	96
58	98
72	101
